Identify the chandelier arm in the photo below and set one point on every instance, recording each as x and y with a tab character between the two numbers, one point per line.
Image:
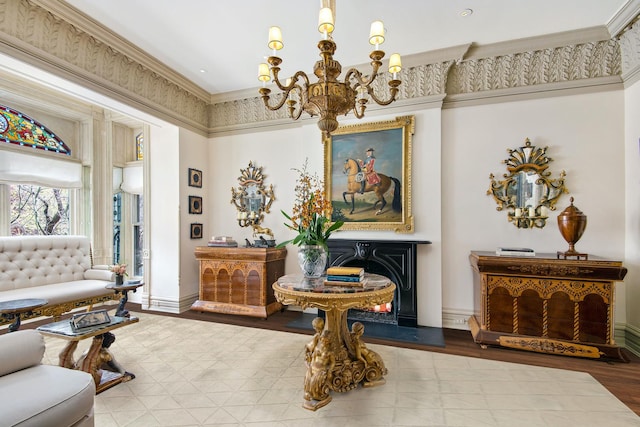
375	66
292	103
294	79
393	90
300	74
265	99
360	114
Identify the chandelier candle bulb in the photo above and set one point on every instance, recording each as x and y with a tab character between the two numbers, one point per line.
264	75
395	64
325	22
275	39
532	212
376	34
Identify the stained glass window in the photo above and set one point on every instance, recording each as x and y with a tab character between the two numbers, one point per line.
20	129
139	147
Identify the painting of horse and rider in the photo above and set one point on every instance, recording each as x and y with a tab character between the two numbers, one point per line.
367	169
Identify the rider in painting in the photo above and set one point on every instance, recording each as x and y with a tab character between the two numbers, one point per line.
368	167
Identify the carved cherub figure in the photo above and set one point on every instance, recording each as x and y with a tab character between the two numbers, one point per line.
318	326
319	372
370	358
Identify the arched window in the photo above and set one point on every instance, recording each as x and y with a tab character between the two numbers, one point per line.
20	129
38	186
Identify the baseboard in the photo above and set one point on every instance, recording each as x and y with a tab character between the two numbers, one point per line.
632	339
456	319
170	305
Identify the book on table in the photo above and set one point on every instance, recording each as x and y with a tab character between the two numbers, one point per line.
344	283
346	271
339	278
501	251
345	276
223	243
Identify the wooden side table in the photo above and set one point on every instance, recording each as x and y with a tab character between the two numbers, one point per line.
546	305
238	280
337	359
12	310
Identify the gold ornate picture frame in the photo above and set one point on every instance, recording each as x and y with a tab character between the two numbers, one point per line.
195	205
196	230
385	203
195	178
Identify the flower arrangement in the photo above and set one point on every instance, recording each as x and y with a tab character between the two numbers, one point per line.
311	215
119	269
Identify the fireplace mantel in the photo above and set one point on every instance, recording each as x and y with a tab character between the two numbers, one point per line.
396	259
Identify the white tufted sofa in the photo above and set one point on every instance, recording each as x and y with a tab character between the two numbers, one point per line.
56	268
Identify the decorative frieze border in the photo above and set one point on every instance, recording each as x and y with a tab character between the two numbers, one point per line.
629	41
58	38
533	68
94	57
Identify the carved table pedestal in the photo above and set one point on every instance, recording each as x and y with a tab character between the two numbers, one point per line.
337	359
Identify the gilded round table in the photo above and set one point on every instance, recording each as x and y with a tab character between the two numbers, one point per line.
337	359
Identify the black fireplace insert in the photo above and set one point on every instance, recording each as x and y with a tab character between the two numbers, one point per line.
396	259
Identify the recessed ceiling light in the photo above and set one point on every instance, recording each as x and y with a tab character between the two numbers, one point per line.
203	70
466	12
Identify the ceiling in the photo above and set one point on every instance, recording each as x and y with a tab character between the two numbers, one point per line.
218	45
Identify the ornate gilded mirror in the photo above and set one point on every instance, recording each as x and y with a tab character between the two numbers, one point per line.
527	191
251	198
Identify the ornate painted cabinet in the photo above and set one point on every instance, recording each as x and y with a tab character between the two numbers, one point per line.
238	280
545	304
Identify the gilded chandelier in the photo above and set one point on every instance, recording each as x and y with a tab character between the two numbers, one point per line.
328	97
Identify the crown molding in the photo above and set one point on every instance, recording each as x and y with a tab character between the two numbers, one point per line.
525	93
40	37
624	17
61	40
87	24
567	38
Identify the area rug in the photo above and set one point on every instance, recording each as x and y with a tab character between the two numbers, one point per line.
198	373
419	335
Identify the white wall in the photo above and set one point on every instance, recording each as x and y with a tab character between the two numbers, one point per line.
584	134
450	179
632	197
194	153
163	232
280	150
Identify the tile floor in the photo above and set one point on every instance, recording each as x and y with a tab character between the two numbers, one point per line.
194	373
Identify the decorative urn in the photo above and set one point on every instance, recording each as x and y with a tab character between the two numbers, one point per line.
572	223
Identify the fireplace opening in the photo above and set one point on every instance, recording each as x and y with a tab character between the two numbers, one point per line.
393	259
389	314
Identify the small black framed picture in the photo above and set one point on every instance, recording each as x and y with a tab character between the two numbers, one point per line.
196	230
195	178
195	205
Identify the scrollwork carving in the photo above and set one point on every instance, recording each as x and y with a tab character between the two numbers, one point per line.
527	191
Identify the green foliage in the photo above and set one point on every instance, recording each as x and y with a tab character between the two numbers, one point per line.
311	217
316	233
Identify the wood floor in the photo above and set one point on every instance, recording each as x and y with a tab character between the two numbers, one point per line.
621	379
